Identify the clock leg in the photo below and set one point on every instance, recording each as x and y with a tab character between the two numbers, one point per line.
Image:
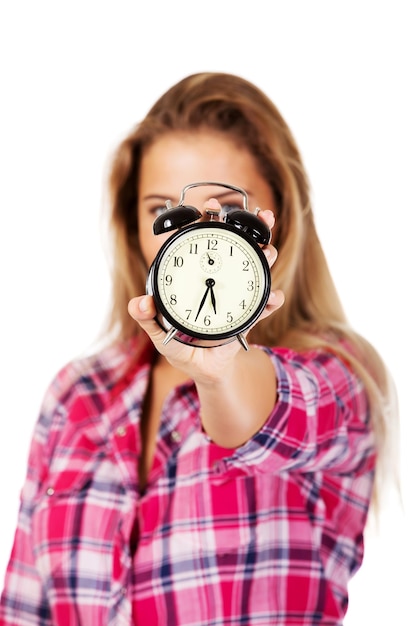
242	340
170	335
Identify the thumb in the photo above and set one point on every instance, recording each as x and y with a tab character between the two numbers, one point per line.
142	310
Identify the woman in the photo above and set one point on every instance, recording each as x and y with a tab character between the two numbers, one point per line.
176	485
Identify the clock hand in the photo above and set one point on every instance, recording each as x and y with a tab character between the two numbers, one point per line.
209	282
202	302
213	299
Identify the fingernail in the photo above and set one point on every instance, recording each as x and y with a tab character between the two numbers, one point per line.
143	305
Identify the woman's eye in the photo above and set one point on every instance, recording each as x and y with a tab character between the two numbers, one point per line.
158	210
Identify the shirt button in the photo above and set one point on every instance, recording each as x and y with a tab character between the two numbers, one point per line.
121	431
50	491
175	436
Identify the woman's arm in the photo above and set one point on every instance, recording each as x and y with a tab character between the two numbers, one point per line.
237	389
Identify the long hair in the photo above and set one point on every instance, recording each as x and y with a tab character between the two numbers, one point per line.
312	316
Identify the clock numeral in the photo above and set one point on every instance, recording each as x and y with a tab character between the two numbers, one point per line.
229	317
231	251
188	313
173	299
168	280
245	264
242	304
178	261
193	248
207	320
250	286
212	244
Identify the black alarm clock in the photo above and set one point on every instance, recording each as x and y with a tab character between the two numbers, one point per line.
210	279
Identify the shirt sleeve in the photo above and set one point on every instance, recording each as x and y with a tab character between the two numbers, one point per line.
23	599
321	421
81	389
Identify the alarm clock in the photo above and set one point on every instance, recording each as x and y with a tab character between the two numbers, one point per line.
210	280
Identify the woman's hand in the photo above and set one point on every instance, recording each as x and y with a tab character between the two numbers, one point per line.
201	364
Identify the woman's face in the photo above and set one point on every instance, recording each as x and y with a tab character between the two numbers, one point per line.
177	159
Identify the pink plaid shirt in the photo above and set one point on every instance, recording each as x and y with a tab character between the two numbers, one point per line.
266	534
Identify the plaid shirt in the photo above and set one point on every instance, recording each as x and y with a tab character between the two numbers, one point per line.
266	534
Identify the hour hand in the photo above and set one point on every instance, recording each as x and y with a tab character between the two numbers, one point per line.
213	299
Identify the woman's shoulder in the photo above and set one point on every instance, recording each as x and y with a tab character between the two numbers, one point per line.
99	373
328	362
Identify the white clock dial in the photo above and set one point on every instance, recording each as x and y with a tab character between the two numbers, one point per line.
210	281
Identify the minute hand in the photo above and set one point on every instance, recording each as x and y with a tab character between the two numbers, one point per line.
202	302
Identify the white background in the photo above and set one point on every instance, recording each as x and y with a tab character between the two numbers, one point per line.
76	76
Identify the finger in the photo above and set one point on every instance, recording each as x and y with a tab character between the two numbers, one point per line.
212	204
143	311
275	301
271	254
267	216
141	308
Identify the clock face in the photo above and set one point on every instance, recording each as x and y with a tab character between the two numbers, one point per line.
210	281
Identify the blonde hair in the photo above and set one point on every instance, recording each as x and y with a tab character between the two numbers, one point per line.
312	316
